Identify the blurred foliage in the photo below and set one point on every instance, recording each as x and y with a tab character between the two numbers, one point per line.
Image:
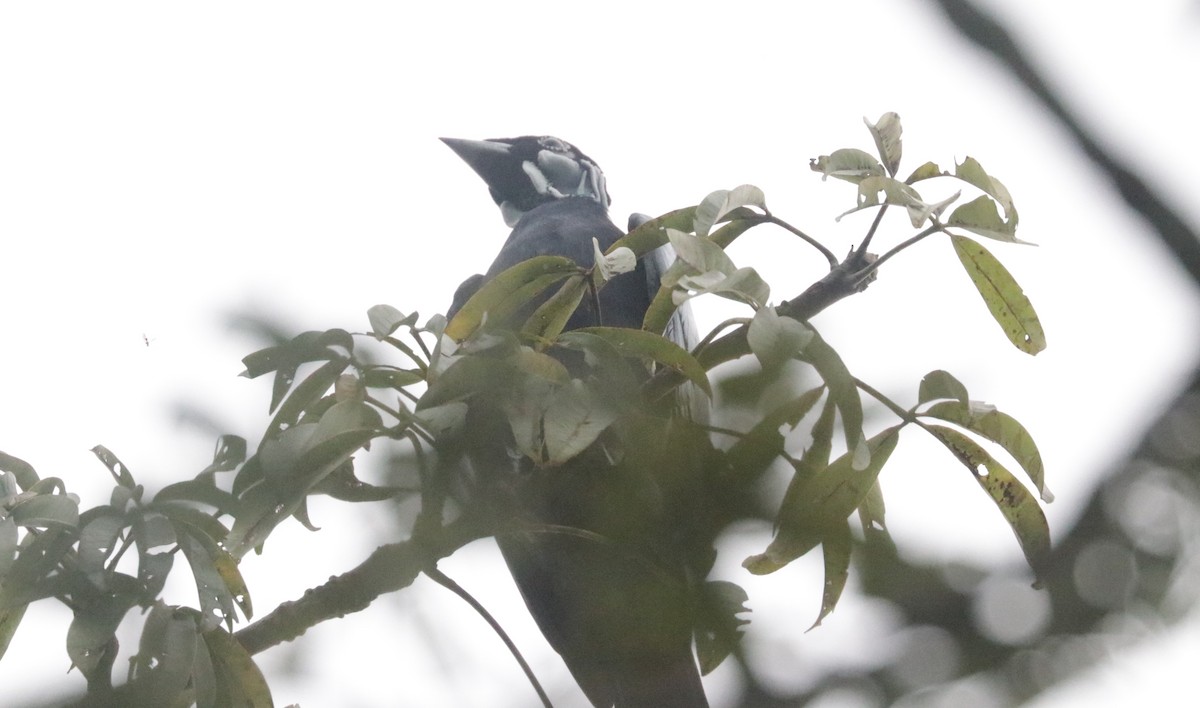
593	418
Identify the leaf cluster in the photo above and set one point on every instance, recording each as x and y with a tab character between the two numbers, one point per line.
504	368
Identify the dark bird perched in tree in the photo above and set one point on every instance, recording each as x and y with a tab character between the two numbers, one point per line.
616	602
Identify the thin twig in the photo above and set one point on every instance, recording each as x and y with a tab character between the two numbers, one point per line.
445	581
865	273
772	219
862	247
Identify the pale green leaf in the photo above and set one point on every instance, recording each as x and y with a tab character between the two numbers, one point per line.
971	172
849	164
719	203
775	340
928	170
886	133
980	216
386	319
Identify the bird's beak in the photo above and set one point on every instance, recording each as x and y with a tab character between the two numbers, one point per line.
490	159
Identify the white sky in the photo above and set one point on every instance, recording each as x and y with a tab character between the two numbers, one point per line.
163	165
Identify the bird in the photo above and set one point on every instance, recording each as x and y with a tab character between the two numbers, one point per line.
617	612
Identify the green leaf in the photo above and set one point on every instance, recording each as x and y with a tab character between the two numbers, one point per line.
758	448
836	546
115	467
886	132
230	452
971	172
1003	296
200	491
508	292
651	235
872	511
98	539
822	502
812	462
10	619
849	164
979	216
575	416
1001	429
239	682
940	384
700	254
386	319
304	396
216	599
719	203
775	340
743	285
38	557
468	376
928	170
46	511
166	657
653	347
1018	506
728	233
549	319
8	543
718	628
285	359
843	391
23	471
383	376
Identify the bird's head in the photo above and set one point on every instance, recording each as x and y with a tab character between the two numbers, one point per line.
531	170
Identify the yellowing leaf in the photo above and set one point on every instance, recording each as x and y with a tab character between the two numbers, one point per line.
1003	296
1001	429
1018	506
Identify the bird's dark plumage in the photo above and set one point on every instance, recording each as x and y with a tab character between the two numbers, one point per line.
618	613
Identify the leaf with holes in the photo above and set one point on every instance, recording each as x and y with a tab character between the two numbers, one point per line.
1018	506
849	164
836	545
1002	429
1003	296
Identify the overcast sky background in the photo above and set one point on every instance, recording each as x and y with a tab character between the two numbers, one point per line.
162	166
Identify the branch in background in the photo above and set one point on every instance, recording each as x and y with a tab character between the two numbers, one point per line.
989	35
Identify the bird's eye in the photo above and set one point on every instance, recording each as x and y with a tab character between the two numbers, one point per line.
550	142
